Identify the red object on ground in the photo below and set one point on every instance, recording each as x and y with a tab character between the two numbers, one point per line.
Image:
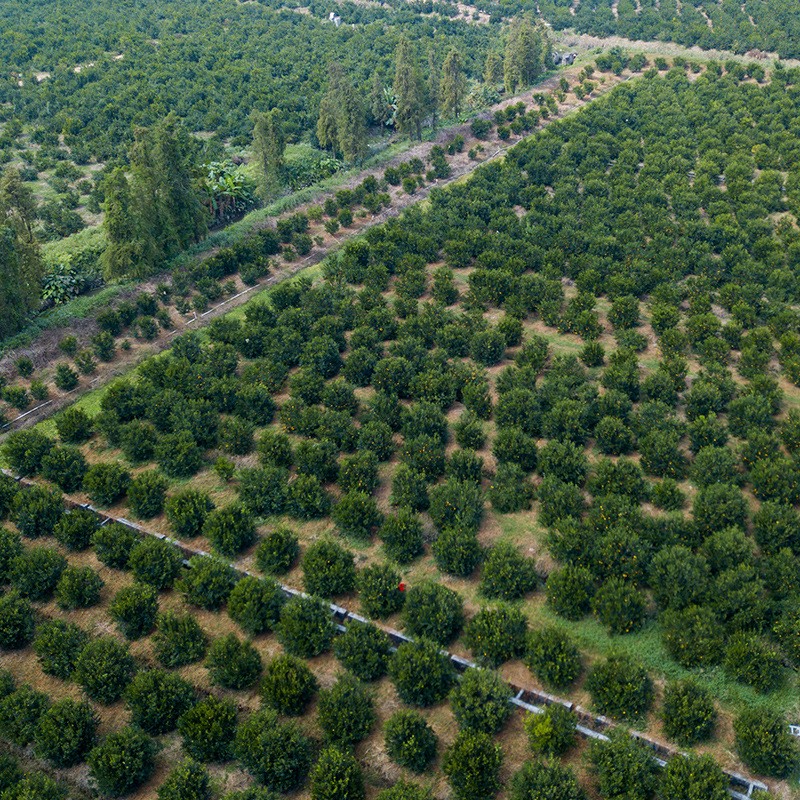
401	586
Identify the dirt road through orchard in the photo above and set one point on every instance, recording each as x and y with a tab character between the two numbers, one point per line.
45	351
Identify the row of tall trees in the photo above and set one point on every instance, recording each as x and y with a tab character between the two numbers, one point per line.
422	89
153	210
20	260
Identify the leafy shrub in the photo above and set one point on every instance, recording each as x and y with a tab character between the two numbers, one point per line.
510	491
24	451
7	683
277	551
146	494
178	640
20	713
208	582
620	688
364	650
545	779
552	732
421	674
8	491
678	577
409	740
134	609
36	571
359	473
345	711
288	685
306	498
356	514
230	529
233	664
624	767
122	762
78	587
208	728
66	732
137	440
433	611
512	445
328	569
74	426
16	621
263	491
691	777
106	483
187	511
156	699
305	628
496	635
104	669
409	488
156	562
337	776
457	552
569	591
36	511
255	605
275	753
751	661
472	766
401	534
113	544
236	436
507	574
764	743
35	785
58	644
178	455
379	590
65	467
688	712
186	781
457	504
692	636
553	657
10	548
480	701
76	528
620	606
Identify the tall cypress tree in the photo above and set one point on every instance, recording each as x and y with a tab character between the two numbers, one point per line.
408	89
174	152
269	144
161	197
493	68
341	126
131	249
20	260
379	108
527	50
454	83
434	86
